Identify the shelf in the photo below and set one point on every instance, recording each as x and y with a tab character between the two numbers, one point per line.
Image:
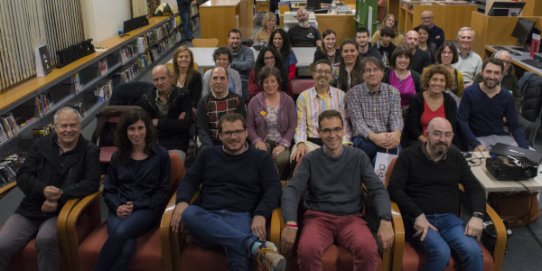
14	96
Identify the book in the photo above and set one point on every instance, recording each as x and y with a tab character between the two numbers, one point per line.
43	61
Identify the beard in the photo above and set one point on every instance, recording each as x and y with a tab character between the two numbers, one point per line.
490	83
439	148
304	24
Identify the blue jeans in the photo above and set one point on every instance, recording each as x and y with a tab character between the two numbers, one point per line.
450	239
120	247
371	148
185	21
224	229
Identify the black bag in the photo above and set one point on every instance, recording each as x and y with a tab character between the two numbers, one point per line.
530	88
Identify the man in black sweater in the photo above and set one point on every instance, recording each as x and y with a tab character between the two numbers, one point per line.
239	190
424	184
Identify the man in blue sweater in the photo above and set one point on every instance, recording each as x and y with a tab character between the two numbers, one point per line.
330	179
239	190
482	109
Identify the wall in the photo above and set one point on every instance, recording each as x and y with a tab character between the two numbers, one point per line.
103	18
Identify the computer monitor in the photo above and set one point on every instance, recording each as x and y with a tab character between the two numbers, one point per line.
506	8
313	5
523	31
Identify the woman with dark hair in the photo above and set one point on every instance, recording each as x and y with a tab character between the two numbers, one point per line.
222	57
424	44
447	55
431	103
268	57
135	189
400	75
280	41
350	72
272	119
184	74
329	49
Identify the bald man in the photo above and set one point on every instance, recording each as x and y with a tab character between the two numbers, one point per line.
436	34
420	59
424	184
170	109
304	35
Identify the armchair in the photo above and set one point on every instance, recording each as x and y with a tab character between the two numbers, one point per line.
26	258
86	216
188	256
334	258
406	258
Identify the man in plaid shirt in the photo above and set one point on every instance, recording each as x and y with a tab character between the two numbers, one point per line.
374	109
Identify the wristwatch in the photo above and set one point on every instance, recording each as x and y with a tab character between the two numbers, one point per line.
478	215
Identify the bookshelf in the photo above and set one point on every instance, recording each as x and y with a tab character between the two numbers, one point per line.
86	83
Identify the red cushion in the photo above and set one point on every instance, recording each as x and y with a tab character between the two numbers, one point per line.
412	259
106	153
148	255
194	257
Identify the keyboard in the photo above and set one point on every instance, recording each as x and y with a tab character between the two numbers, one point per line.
532	62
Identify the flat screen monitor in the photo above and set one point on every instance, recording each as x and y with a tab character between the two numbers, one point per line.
506	8
523	31
313	5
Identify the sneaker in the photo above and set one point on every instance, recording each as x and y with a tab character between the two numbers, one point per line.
269	257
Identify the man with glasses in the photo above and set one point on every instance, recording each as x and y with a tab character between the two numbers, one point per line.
436	34
312	102
239	189
424	184
331	179
374	109
215	105
482	110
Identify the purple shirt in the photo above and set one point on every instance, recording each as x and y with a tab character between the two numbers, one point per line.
406	87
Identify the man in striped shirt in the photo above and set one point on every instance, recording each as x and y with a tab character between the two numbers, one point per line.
374	109
310	104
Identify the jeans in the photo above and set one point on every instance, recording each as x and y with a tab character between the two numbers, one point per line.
19	230
450	239
224	229
121	244
371	148
184	13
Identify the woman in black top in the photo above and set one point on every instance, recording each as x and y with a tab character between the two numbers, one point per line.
329	49
349	69
184	74
135	190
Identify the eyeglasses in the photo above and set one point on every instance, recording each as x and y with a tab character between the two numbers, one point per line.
268	58
369	71
324	72
426	18
232	133
328	131
441	134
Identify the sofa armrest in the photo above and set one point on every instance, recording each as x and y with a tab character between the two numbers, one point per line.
6	188
399	241
71	225
62	232
168	239
500	244
277	224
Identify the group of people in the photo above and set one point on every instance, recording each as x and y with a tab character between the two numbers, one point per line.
414	95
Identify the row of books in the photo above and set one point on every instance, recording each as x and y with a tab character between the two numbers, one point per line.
43	103
8	127
128	52
8	169
104	91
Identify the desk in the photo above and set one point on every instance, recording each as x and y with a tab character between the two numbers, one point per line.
218	17
490	184
519	65
342	24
